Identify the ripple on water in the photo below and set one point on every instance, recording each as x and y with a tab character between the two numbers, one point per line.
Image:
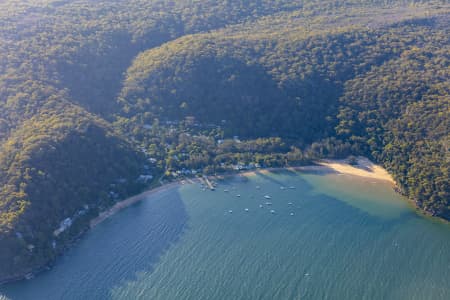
348	239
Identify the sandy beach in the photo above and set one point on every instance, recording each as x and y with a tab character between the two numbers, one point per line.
130	201
364	167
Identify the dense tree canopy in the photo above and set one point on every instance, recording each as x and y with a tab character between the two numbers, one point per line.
94	94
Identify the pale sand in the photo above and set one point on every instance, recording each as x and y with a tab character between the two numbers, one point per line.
130	201
364	168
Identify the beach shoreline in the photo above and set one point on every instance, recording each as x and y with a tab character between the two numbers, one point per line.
130	201
362	168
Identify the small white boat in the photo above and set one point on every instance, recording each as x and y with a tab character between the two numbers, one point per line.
238	195
268	203
226	191
261	206
258	187
267	197
230	211
292	187
290	203
282	188
291	213
246	209
272	211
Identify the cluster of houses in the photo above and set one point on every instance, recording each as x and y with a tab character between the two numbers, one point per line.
67	223
145	178
30	247
185	172
242	167
192	172
235	167
235	139
189	120
63	226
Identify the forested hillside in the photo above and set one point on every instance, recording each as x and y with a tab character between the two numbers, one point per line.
358	84
96	95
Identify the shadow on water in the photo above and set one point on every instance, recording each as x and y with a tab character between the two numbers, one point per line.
272	179
330	203
291	173
113	254
322	172
117	257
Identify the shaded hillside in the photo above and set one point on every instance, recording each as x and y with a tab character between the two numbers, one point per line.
356	84
94	94
402	111
53	167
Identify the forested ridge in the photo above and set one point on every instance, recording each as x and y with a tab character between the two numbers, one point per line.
96	96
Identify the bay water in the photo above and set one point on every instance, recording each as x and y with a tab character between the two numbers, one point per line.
317	235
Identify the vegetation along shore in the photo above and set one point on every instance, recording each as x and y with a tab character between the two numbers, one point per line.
99	101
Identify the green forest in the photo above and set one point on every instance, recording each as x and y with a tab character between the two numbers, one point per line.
99	100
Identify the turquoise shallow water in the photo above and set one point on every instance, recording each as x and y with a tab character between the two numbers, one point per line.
348	238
